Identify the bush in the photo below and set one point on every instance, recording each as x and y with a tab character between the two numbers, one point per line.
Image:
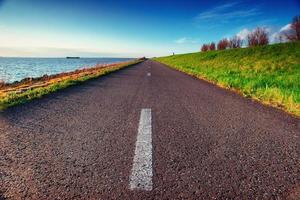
258	37
294	33
2	84
235	42
204	47
223	44
212	46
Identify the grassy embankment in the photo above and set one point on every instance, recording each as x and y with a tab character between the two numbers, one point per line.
28	89
270	74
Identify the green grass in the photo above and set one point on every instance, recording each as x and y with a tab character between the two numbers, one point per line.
14	98
270	74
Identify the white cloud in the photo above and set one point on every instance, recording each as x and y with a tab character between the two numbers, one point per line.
280	34
226	13
274	37
181	40
243	34
286	28
186	40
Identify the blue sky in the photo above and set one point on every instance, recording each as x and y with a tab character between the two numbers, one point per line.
119	28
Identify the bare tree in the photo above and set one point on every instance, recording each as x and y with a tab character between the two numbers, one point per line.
205	47
252	40
258	37
2	83
212	46
223	44
235	42
294	33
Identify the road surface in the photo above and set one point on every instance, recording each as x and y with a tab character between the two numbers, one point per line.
148	132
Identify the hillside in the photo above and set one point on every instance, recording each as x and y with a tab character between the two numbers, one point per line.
270	74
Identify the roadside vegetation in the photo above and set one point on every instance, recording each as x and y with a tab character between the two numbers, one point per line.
28	89
258	37
268	73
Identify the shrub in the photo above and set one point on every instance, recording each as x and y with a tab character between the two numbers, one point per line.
294	33
258	37
212	46
235	42
2	84
223	44
204	47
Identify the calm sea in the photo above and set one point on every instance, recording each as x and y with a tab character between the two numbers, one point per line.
15	69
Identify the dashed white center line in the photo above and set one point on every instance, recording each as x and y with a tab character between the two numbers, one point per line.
148	74
141	173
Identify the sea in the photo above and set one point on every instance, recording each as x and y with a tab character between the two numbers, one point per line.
16	69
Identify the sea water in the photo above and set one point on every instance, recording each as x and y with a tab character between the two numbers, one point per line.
16	69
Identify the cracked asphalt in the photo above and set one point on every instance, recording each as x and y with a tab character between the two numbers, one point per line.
208	143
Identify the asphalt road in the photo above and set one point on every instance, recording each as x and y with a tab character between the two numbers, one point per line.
148	132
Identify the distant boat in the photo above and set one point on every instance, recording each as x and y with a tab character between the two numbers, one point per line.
70	57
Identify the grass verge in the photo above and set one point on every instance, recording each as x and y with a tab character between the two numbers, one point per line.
19	93
269	74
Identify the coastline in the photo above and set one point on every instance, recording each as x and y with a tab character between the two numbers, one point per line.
31	88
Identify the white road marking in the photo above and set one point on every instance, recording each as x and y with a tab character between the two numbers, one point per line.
148	74
141	173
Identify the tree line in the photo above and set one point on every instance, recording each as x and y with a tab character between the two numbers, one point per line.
257	37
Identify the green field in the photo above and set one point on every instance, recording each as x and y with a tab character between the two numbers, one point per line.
270	74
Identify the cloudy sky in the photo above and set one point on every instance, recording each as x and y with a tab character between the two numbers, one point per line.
119	28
